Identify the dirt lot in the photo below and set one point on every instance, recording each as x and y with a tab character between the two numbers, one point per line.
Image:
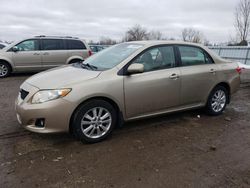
177	150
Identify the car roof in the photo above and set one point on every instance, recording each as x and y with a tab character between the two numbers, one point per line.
159	42
56	37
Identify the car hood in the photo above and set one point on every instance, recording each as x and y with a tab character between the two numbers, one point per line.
61	76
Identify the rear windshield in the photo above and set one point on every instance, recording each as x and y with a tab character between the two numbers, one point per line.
75	45
112	56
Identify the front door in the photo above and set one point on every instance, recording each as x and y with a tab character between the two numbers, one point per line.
157	88
28	56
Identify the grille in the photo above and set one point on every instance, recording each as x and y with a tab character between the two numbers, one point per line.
23	94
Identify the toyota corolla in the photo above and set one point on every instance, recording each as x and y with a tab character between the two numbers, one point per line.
125	82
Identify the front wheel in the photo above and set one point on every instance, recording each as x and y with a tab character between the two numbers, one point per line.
4	69
94	121
217	101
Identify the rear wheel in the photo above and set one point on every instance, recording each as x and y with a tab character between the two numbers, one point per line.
94	121
217	100
5	69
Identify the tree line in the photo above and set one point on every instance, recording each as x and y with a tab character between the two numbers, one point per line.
241	24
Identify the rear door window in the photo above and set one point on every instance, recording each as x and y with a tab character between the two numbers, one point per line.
193	56
75	45
52	44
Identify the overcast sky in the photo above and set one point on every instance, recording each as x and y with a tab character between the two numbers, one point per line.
91	19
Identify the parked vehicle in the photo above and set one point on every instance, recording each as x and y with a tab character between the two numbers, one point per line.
97	48
125	82
41	53
2	45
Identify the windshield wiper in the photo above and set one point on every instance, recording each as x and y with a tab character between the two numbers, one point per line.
86	65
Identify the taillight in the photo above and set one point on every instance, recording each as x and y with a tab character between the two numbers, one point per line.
239	69
90	53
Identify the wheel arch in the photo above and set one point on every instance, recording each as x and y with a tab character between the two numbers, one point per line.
107	99
7	62
74	58
226	86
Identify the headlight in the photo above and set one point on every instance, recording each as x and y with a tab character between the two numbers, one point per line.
48	95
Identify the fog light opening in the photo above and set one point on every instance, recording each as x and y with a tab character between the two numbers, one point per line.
40	122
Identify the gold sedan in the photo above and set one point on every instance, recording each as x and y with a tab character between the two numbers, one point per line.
125	82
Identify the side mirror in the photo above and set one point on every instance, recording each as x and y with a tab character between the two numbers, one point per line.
135	68
15	49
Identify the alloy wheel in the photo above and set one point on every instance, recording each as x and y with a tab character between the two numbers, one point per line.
96	122
3	70
218	100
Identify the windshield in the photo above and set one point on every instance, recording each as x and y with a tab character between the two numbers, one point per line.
112	56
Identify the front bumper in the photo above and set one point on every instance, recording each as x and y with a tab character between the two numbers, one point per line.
56	113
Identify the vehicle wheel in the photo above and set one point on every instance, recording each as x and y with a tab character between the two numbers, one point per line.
94	121
5	69
75	61
217	101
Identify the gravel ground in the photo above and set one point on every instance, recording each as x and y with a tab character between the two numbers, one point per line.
187	149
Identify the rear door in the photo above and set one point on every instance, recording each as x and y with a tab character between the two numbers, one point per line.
157	88
198	75
76	48
28	56
53	53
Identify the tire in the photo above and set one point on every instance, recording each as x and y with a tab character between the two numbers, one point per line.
75	61
5	69
94	121
217	101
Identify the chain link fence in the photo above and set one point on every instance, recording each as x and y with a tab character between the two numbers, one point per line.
235	53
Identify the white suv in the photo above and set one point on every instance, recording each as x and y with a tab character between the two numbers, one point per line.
41	53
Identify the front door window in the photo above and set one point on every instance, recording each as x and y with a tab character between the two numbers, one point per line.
157	58
28	45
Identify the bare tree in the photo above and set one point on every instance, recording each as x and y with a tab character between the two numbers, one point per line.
91	42
192	35
206	42
242	19
155	35
107	41
232	41
136	32
171	38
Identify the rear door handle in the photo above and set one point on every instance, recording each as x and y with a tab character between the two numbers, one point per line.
46	53
36	53
174	76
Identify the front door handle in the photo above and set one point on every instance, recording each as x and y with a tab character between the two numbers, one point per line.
46	53
36	53
212	71
174	76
